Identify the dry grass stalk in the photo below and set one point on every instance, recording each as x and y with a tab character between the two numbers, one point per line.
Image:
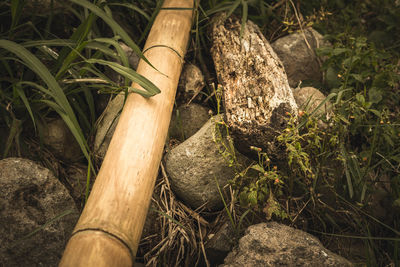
177	242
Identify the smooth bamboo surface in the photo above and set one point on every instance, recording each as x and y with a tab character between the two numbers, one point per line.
109	229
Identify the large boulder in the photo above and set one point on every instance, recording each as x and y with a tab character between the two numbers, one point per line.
200	164
256	93
274	244
299	57
37	214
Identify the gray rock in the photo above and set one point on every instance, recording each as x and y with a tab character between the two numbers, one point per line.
220	244
197	165
187	120
309	98
273	244
33	199
61	141
300	62
106	125
191	82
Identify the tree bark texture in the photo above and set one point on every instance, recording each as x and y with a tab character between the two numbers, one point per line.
256	92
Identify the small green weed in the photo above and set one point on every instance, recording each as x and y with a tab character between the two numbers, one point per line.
260	190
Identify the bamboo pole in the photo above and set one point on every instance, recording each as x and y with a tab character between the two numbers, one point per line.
110	226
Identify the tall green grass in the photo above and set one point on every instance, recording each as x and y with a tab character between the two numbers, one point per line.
41	76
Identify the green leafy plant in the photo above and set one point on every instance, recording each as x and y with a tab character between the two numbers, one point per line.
365	84
363	136
255	190
260	190
43	77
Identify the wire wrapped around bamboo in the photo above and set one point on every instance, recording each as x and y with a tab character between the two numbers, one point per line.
110	226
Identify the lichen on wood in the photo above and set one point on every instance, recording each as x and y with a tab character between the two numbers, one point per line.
256	92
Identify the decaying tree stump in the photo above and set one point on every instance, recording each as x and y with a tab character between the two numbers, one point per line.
256	92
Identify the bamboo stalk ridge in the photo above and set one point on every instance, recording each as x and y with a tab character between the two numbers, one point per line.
109	229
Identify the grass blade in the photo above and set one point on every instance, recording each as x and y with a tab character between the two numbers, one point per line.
90	102
71	125
78	36
21	94
132	75
16	11
39	87
67	61
169	217
114	26
225	205
92	44
151	21
132	7
347	172
59	216
63	106
233	8
15	130
122	55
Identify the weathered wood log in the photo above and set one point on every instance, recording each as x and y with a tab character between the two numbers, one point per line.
110	226
256	92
